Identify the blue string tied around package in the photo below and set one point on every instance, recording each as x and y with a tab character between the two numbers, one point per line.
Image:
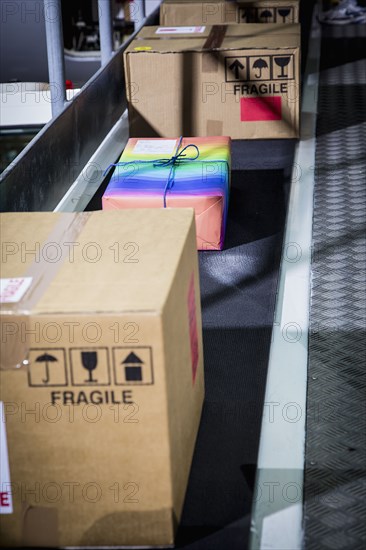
178	158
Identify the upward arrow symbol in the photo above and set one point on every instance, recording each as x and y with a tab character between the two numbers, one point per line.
236	66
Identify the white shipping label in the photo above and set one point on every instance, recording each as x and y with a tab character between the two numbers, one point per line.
6	502
179	30
13	290
155	147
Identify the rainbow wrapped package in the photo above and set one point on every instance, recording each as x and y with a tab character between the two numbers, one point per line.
176	173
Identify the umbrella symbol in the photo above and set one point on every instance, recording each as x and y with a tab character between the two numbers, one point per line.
260	64
46	358
284	12
266	14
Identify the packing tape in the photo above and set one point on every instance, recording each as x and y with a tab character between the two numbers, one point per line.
66	230
215	38
210	59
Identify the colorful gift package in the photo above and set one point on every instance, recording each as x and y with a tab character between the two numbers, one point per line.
177	173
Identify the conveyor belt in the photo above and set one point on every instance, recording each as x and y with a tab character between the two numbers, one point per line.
238	289
335	478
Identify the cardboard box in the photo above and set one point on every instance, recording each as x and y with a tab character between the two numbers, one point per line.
101	376
218	12
242	81
146	177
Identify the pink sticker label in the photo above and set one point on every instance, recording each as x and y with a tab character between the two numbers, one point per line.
193	335
255	109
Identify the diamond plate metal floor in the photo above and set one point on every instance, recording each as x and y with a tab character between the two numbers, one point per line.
335	465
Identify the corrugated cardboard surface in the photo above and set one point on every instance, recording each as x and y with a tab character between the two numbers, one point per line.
216	12
101	462
177	85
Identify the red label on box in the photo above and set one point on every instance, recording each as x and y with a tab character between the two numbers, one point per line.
192	315
254	109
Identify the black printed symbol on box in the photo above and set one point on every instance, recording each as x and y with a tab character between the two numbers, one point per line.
283	67
235	69
47	367
89	367
285	15
247	15
133	366
266	15
259	67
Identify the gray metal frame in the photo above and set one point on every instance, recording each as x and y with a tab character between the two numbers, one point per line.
105	30
139	13
43	173
55	55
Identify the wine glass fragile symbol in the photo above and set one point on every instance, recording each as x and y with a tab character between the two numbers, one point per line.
89	361
282	62
284	12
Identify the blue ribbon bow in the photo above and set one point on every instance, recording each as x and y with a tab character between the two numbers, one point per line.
179	157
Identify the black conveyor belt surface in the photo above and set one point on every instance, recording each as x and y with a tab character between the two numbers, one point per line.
238	290
335	473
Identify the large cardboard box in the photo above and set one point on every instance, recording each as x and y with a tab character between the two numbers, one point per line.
237	80
217	12
101	376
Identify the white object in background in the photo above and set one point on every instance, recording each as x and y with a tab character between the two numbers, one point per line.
27	103
150	6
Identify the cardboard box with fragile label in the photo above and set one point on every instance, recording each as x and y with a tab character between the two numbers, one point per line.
218	12
237	80
101	376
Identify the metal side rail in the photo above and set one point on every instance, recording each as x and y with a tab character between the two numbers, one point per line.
66	153
277	514
83	189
